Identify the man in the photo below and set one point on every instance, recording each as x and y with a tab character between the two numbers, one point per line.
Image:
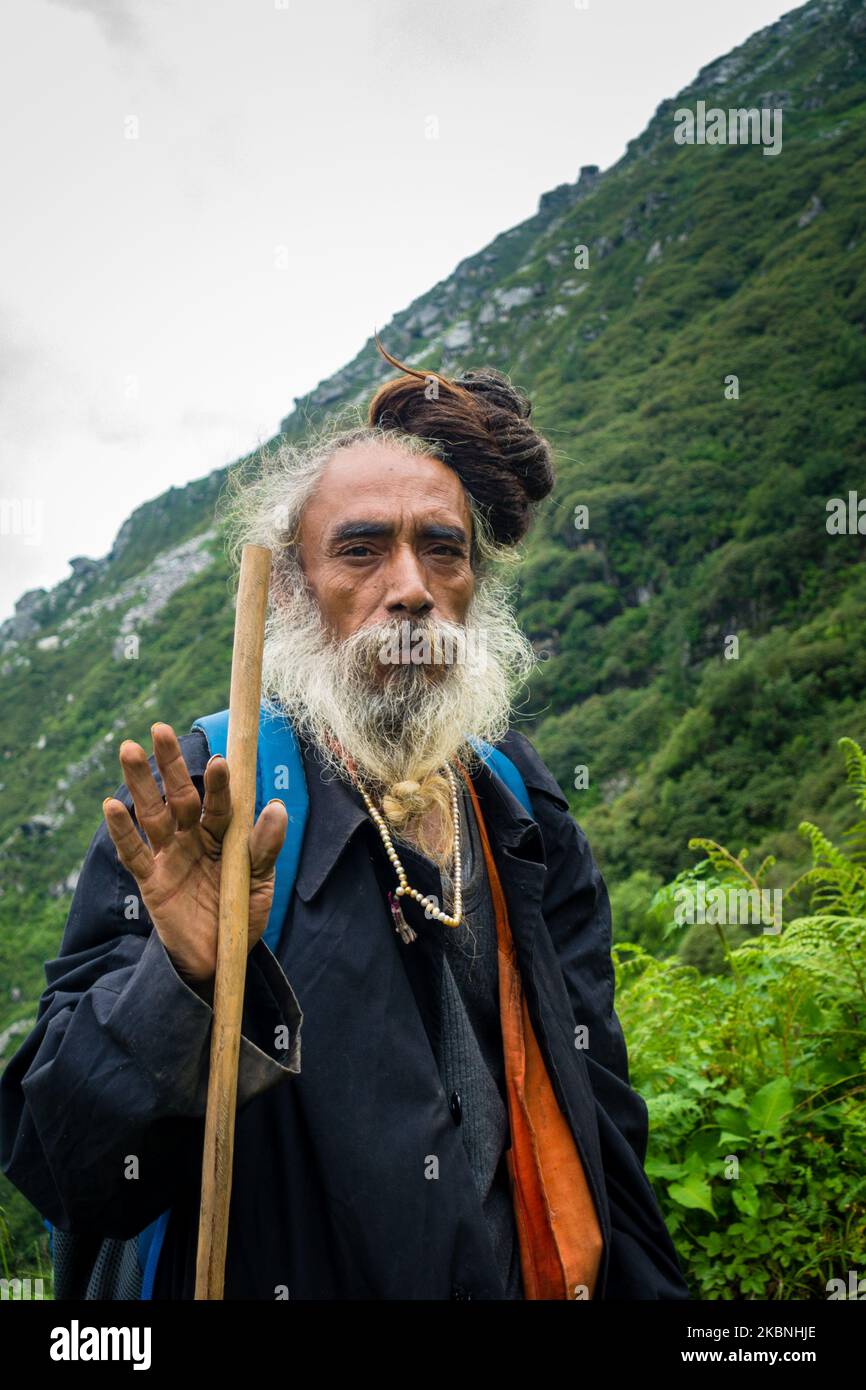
458	1122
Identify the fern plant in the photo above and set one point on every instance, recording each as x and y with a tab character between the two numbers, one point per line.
755	1079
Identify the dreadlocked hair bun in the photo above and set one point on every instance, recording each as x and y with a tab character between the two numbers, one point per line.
482	423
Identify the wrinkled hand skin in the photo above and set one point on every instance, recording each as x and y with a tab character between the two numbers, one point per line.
177	866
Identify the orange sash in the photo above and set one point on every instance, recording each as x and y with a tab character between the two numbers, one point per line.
560	1239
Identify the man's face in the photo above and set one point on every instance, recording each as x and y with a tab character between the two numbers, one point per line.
384	546
387	535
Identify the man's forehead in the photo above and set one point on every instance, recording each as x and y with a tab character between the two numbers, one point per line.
386	470
384	485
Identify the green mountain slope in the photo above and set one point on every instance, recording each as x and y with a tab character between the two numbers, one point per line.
707	515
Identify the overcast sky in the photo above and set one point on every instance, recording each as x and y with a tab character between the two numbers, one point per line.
209	207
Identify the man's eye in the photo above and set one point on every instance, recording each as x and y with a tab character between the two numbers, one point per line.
354	548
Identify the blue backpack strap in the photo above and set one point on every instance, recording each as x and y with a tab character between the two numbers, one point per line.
505	769
216	730
279	773
149	1247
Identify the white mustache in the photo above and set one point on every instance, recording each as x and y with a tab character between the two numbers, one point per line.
426	641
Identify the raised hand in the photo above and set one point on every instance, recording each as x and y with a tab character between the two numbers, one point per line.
177	868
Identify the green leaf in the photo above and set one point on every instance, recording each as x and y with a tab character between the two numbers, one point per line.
770	1106
730	1117
746	1199
694	1193
658	1168
704	1143
695	1162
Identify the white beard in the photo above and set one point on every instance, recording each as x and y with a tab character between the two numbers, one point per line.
398	722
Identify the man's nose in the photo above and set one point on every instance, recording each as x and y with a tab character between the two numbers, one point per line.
406	588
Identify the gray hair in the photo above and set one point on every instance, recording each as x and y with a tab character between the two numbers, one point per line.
265	496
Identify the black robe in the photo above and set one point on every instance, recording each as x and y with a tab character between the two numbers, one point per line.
340	1106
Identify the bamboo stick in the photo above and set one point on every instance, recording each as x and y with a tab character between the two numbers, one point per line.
232	943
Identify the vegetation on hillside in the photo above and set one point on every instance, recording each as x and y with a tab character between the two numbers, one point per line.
755	1080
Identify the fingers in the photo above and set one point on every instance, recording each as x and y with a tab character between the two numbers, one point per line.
267	838
217	810
132	851
183	800
151	812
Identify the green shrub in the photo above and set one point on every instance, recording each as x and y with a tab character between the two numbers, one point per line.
755	1079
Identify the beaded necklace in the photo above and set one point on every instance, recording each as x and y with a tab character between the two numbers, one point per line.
400	924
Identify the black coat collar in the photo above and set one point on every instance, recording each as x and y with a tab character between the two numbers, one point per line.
337	810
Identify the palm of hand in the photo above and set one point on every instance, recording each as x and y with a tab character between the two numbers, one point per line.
177	867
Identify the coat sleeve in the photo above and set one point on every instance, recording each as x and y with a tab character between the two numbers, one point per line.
576	909
102	1107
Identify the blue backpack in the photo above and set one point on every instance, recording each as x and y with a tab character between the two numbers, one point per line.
280	773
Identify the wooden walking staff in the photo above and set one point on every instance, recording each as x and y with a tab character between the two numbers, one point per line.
232	941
